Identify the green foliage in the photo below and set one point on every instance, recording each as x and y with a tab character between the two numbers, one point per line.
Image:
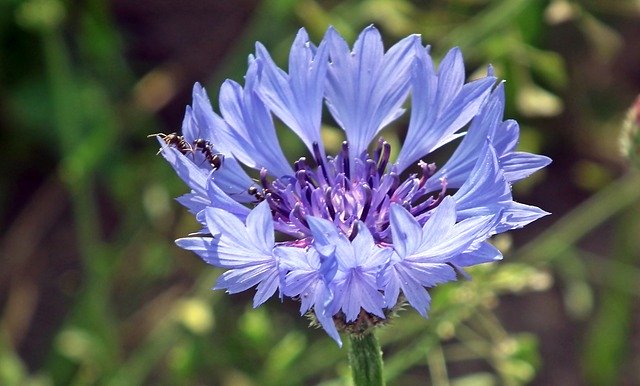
133	309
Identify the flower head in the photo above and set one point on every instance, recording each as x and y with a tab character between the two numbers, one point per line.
358	228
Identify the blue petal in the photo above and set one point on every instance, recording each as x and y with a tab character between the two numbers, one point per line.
325	235
443	239
260	227
219	199
457	169
194	177
233	180
412	277
517	215
484	254
360	290
389	280
205	123
366	87
450	77
519	165
430	274
355	287
296	98
200	122
324	296
233	247
232	240
506	137
367	253
414	291
267	287
252	136
202	246
440	105
405	230
303	273
193	202
439	225
486	190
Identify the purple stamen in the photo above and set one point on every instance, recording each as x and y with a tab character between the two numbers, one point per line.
345	159
343	195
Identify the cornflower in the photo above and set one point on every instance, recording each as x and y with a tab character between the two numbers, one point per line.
360	231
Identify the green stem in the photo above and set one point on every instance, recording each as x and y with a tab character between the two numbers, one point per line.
365	358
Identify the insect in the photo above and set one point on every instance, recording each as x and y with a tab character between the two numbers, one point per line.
175	140
214	159
259	194
190	148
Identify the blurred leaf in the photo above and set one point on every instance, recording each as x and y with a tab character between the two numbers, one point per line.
607	343
549	66
534	101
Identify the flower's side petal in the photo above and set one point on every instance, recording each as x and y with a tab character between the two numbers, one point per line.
207	124
424	89
389	280
202	246
366	88
450	77
363	240
232	247
358	265
485	190
520	165
396	68
484	254
251	134
324	234
303	274
516	215
413	290
483	127
405	231
351	78
328	242
239	279
267	287
233	180
340	84
194	177
204	190
431	274
219	199
323	299
361	291
222	223
465	235
200	122
296	259
190	129
378	258
296	98
232	240
463	108
298	282
260	226
367	253
193	202
506	137
431	127
439	225
423	110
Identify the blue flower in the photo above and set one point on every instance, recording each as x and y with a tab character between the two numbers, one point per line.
359	231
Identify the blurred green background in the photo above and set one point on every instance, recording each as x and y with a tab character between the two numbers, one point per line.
94	292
